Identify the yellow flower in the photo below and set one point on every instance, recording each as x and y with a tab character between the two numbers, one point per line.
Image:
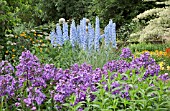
13	57
33	42
34	34
165	54
13	50
6	52
22	35
151	53
37	41
160	53
162	68
40	49
38	35
40	41
42	44
16	36
22	46
161	64
168	68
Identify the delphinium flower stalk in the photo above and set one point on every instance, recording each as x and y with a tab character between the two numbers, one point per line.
97	34
78	35
65	32
90	37
59	35
53	38
106	35
73	33
83	34
113	35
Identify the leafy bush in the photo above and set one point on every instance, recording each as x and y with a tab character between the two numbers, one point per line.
61	57
148	46
25	40
155	24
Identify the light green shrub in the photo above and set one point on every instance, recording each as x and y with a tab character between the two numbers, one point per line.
155	22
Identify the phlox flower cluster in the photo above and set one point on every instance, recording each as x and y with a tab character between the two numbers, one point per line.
86	39
44	82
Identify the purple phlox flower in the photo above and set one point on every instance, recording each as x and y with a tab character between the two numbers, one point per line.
29	66
164	77
28	101
17	104
7	85
6	68
126	53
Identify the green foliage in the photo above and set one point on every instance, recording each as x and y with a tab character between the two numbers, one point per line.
148	46
61	57
99	58
121	11
18	42
69	9
143	95
125	30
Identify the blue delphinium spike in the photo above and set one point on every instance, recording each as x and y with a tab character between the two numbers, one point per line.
83	34
113	35
90	37
110	30
59	35
106	32
78	34
65	32
53	38
97	34
73	33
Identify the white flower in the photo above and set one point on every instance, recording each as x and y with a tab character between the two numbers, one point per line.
61	20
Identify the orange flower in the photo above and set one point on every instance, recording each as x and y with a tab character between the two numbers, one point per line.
168	51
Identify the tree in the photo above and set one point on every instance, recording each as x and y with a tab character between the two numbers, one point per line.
154	24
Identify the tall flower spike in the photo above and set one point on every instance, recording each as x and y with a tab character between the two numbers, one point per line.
97	34
59	35
84	34
90	37
114	35
110	30
53	38
65	32
73	34
106	32
78	35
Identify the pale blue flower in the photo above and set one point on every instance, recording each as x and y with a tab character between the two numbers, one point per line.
65	32
97	34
